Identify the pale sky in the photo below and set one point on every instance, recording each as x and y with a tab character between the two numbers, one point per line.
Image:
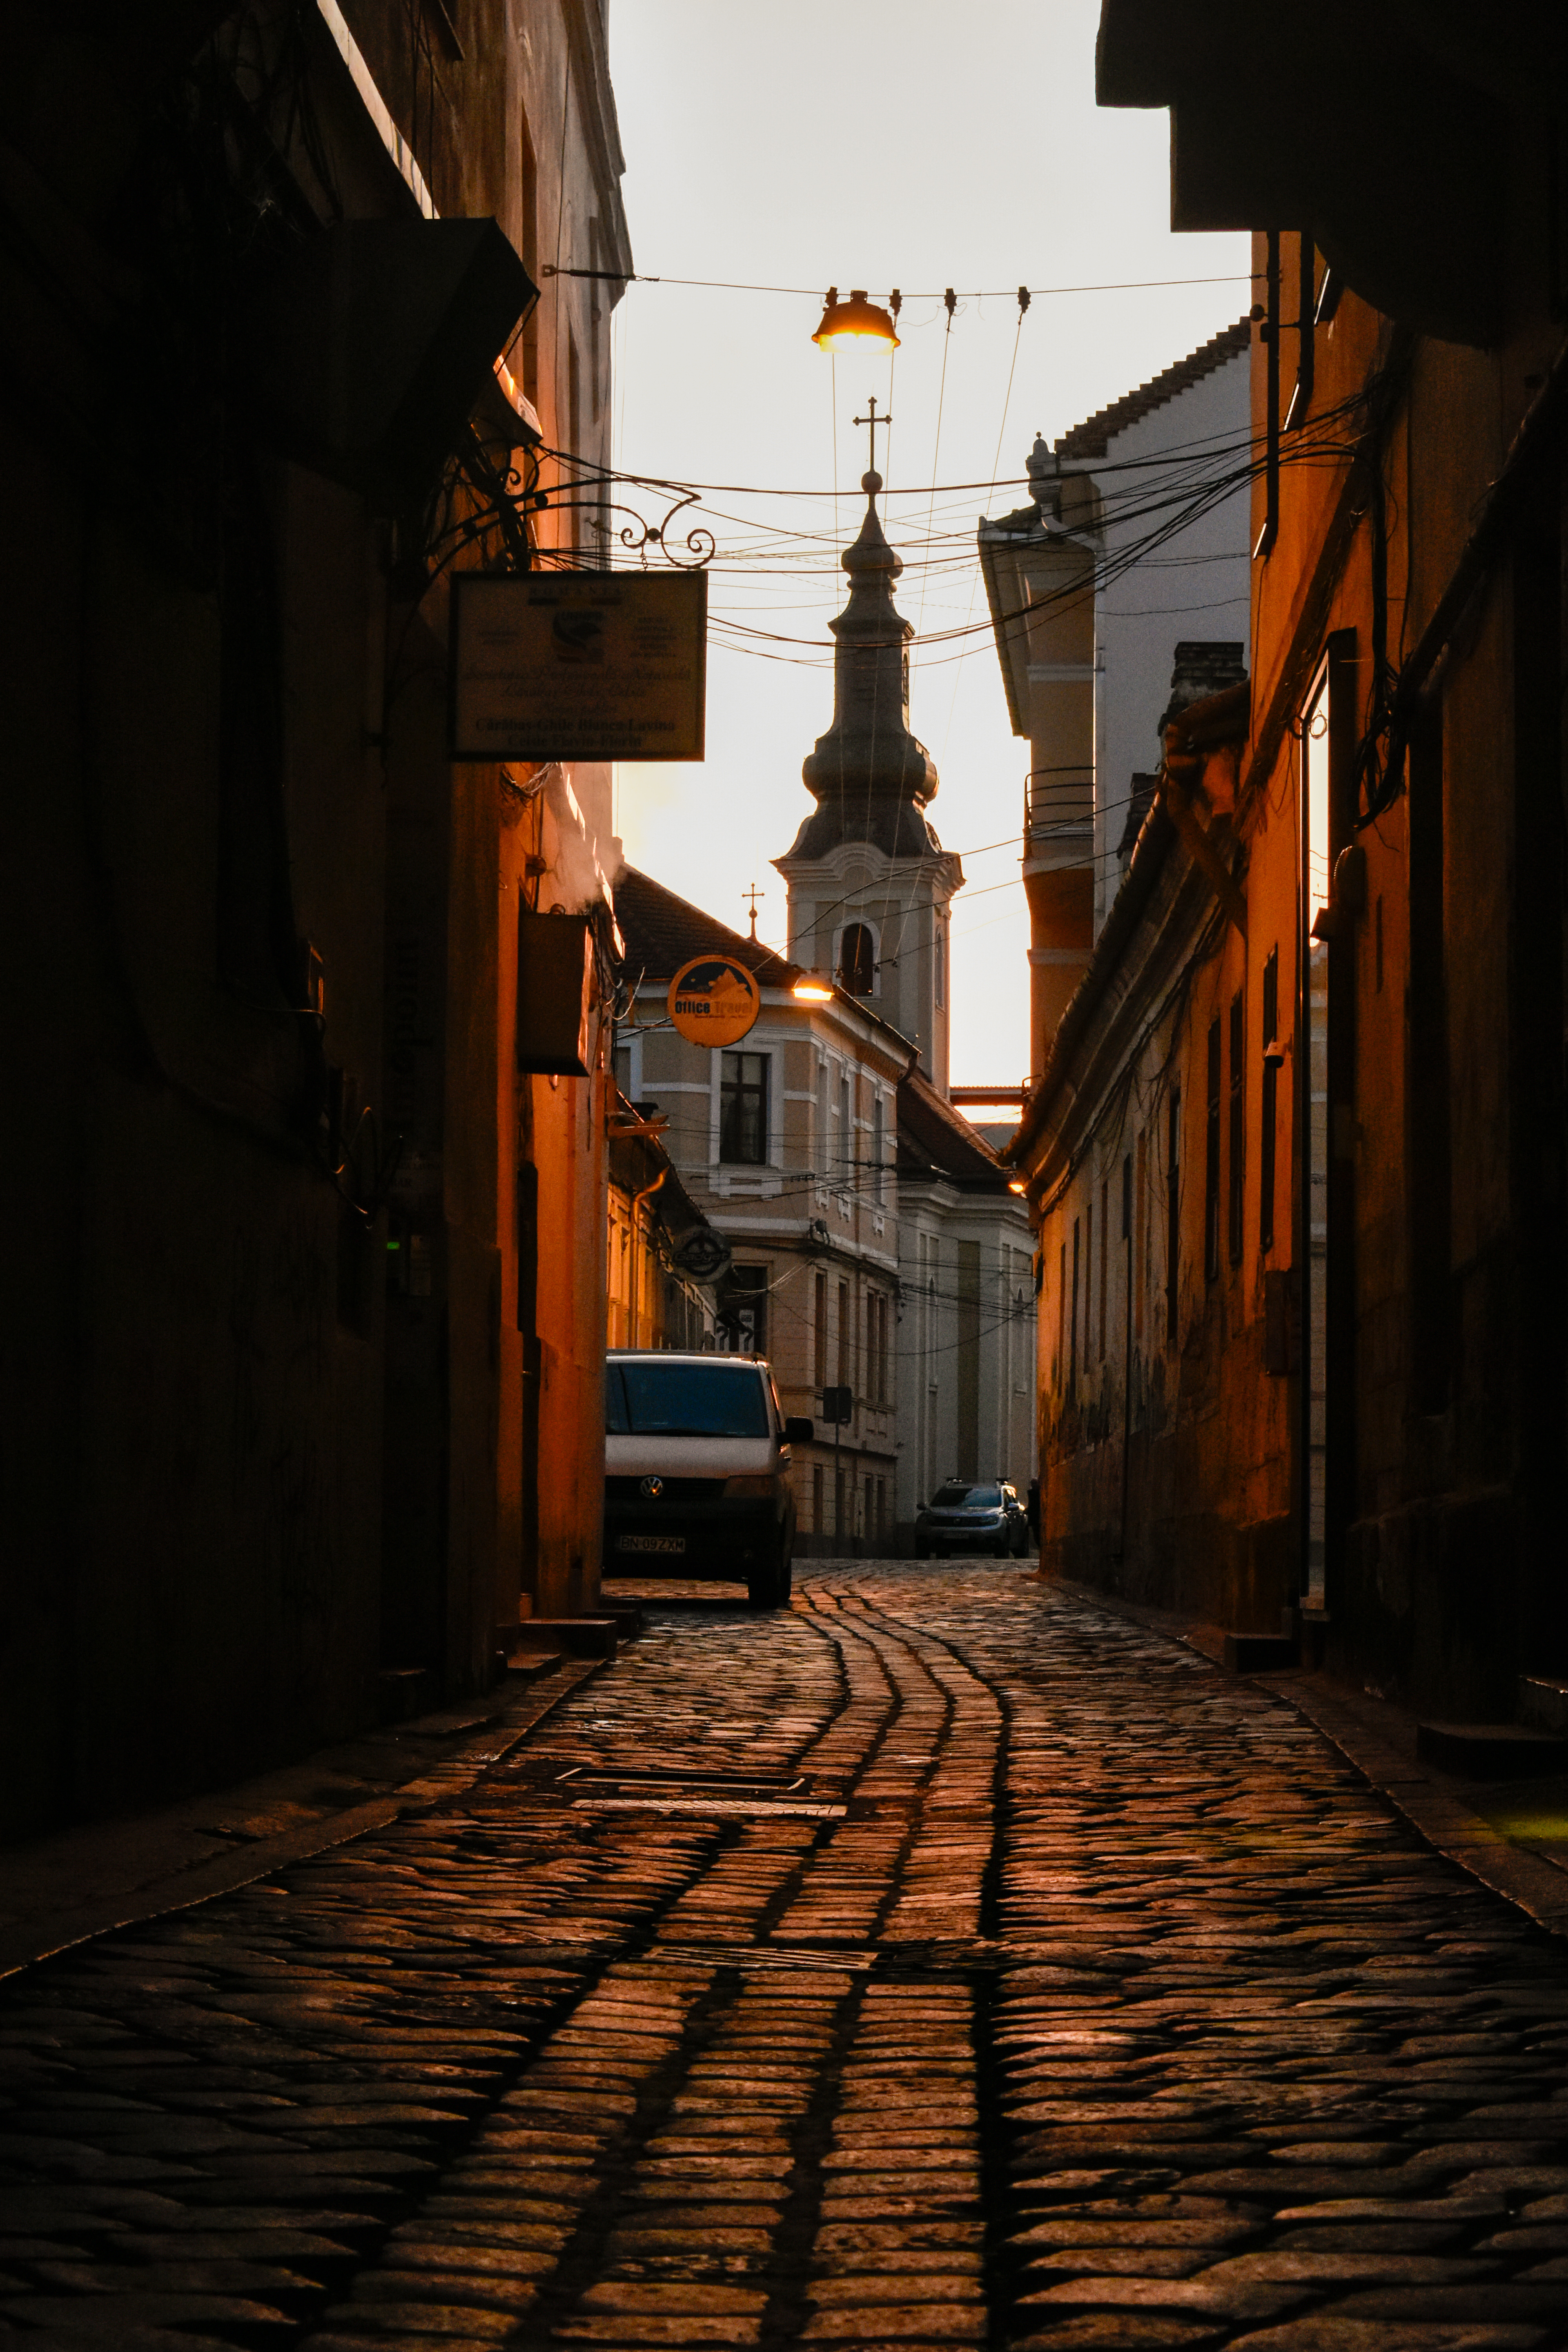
875	144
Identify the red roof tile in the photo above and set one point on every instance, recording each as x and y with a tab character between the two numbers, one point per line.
662	932
933	1135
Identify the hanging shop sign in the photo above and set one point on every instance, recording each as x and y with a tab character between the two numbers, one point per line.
714	1001
702	1254
554	994
578	666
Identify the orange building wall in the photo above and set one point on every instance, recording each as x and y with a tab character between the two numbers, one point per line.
1444	1546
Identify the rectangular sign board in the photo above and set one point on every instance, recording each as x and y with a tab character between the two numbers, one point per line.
578	665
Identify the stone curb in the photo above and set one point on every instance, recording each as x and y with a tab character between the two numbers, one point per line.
31	1936
1430	1800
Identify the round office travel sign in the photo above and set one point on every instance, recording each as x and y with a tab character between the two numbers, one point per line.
714	1001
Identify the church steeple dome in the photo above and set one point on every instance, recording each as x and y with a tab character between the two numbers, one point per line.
870	778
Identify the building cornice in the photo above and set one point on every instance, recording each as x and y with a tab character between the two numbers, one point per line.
835	865
601	129
1137	989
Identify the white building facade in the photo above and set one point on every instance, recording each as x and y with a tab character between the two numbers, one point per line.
876	1243
785	1145
1132	563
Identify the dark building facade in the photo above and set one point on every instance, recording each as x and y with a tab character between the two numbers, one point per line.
278	1188
1297	1160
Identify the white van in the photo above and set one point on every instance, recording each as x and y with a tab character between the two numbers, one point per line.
697	1471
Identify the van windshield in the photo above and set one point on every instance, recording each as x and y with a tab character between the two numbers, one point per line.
685	1400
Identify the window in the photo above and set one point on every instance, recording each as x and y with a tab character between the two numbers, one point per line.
1172	1211
1088	1283
741	1311
876	1347
1104	1248
1270	1109
1140	1272
879	1140
819	1330
574	424
743	1110
595	321
857	960
1072	1343
1315	760
824	1123
1237	1170
676	1400
844	1337
529	208
1211	1160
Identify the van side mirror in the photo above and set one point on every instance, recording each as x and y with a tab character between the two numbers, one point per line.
798	1431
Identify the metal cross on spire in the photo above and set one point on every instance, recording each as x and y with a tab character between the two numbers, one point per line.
873	420
753	893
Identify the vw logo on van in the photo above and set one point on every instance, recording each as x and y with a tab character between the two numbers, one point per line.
653	1488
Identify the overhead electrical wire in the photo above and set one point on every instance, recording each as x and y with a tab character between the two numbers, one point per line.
980	294
1176	513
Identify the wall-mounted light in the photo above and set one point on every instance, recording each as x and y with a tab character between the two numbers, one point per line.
1016	1184
854	321
811	989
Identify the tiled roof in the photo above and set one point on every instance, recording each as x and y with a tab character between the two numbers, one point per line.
934	1136
1092	438
662	932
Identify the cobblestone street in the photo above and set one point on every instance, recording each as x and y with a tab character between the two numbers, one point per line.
941	1961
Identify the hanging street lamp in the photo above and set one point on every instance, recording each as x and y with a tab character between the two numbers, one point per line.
856	320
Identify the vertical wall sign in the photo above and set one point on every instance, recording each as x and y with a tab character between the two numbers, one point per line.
578	666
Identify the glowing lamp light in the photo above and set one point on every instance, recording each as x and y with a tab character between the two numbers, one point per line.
1016	1186
855	322
810	989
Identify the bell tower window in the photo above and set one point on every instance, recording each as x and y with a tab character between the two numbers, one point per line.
857	960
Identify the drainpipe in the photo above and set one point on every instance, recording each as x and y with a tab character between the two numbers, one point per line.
1271	530
1306	328
638	1199
1127	1357
1301	1209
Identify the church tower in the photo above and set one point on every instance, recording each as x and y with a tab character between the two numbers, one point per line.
869	884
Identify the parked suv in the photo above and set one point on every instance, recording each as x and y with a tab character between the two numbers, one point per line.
963	1515
697	1471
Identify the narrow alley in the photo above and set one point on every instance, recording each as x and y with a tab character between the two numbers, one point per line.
942	1960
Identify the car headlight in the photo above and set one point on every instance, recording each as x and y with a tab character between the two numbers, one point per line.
750	1486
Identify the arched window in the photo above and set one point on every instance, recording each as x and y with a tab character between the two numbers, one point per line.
857	960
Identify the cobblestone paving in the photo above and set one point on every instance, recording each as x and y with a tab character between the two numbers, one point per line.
977	1968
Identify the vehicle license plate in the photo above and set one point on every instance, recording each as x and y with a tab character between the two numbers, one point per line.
650	1543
